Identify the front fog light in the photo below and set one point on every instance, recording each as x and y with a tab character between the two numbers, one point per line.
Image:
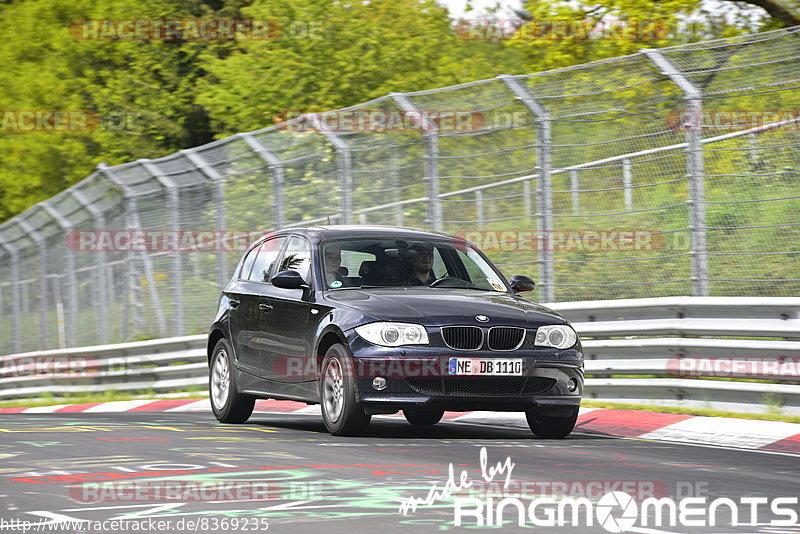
572	385
379	383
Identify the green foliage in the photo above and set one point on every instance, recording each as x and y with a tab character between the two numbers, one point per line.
150	85
656	24
154	97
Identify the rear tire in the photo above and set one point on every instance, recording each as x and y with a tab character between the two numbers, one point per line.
550	427
423	416
342	414
228	405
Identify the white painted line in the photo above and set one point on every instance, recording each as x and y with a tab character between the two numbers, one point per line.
516	419
314	409
723	431
117	406
202	405
46	409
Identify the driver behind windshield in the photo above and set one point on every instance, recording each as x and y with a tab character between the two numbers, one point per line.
420	266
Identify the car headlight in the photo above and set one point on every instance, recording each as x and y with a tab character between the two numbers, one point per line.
393	334
559	336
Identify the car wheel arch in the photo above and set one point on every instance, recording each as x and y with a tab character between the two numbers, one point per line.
329	338
213	338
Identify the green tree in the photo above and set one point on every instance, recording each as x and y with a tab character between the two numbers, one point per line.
141	92
673	21
330	55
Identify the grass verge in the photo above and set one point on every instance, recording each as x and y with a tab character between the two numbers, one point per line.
108	396
691	411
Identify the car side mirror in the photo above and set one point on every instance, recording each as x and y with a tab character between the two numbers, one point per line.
521	283
289	280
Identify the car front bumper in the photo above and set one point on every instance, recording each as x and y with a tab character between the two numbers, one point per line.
419	377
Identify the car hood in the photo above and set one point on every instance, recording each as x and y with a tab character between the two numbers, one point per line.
443	306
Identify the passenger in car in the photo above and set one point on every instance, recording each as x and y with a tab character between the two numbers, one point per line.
333	266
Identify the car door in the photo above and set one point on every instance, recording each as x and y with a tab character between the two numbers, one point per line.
247	318
287	348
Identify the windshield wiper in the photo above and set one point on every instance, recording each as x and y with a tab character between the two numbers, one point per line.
357	287
465	287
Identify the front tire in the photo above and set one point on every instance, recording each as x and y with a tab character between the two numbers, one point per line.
228	405
342	414
550	427
423	417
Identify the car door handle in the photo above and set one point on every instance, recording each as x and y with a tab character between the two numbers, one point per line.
234	302
266	308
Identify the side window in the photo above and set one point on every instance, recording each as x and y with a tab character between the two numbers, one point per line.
247	264
267	254
297	257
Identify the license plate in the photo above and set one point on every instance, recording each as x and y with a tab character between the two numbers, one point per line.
485	366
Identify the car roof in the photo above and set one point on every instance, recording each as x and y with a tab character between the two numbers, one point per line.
343	231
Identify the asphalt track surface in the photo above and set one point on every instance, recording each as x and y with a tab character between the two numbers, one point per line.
294	477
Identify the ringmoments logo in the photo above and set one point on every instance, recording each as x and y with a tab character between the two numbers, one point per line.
615	511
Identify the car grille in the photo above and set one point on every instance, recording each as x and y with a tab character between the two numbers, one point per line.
463	337
505	337
483	385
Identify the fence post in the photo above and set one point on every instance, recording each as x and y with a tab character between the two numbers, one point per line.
173	205
276	168
100	256
72	281
693	95
398	210
574	186
345	169
43	306
627	183
16	323
434	212
219	200
544	195
480	215
134	223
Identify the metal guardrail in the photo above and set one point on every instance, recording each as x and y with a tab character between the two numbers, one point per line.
617	337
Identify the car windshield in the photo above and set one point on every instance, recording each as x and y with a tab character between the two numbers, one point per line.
374	262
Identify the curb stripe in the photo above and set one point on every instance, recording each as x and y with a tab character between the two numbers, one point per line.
78	407
791	444
162	405
773	436
627	423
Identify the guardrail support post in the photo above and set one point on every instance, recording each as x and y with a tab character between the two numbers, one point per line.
544	197
134	223
276	169
693	95
431	134
16	323
219	201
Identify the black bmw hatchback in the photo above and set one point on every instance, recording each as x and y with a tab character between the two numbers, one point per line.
371	320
